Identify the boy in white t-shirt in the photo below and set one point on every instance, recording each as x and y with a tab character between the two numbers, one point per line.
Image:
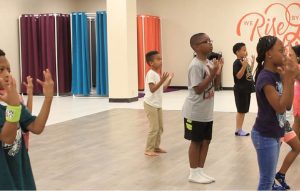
154	86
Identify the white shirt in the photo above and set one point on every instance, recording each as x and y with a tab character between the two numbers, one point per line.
154	99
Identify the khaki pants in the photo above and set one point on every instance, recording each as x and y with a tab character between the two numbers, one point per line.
156	126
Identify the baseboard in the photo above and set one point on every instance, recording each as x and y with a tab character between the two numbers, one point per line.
179	87
123	100
185	87
227	88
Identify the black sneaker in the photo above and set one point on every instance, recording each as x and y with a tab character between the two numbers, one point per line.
281	179
277	187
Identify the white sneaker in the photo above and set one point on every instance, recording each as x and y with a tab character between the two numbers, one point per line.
206	176
199	178
201	172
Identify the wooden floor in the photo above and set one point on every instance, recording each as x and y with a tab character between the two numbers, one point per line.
104	151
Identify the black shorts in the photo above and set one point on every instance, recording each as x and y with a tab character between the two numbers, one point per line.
242	101
197	131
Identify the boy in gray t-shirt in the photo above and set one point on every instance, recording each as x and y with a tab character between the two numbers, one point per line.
198	106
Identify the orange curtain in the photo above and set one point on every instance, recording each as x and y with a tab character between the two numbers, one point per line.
148	33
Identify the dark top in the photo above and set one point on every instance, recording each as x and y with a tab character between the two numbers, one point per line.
15	169
268	123
246	83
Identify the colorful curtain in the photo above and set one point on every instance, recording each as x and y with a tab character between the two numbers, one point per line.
81	82
149	38
38	50
101	54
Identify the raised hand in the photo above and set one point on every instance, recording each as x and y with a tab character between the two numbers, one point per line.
171	75
28	85
244	62
164	76
289	69
48	84
214	67
10	96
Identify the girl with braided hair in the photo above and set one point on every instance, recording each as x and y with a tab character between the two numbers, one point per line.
275	74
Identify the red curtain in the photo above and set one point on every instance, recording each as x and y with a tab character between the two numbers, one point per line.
149	38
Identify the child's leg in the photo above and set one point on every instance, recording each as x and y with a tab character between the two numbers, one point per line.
161	129
239	121
152	115
203	150
267	150
194	153
294	143
160	126
242	101
291	156
296	125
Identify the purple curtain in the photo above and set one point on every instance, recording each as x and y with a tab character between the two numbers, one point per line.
64	53
38	49
30	49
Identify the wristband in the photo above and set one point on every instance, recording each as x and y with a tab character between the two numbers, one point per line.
13	113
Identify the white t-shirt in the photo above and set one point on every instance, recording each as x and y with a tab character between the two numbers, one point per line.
198	107
153	99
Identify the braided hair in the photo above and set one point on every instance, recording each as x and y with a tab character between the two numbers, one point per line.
264	44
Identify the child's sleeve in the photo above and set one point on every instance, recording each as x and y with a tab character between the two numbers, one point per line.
196	75
236	67
26	118
150	78
263	81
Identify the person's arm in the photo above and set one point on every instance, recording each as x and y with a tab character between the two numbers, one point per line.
11	97
29	91
209	78
221	63
288	72
241	72
280	103
166	85
153	87
38	125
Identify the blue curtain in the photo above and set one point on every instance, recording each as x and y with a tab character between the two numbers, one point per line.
101	54
81	82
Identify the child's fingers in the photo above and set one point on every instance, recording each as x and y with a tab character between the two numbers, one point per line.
40	82
47	75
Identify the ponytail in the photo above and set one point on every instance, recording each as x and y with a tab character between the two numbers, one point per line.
259	67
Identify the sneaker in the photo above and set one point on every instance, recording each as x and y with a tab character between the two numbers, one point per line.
241	133
198	178
277	187
201	172
281	180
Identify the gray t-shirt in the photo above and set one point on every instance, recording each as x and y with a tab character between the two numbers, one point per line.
198	107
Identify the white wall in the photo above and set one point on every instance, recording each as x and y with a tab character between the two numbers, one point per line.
11	9
183	18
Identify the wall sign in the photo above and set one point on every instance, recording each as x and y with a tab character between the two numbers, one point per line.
277	19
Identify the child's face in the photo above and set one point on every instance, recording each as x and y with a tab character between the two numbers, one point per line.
156	61
277	53
4	69
242	53
204	45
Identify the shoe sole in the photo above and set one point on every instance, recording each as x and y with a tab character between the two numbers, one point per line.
190	180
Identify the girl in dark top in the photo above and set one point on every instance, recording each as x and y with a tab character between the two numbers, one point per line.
275	74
